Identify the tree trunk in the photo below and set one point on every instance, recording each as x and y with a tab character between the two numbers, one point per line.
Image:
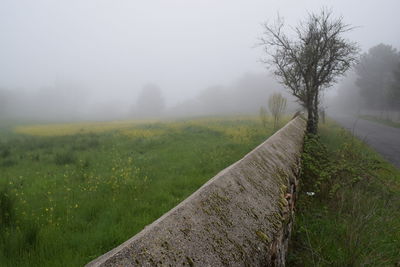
316	111
311	123
312	110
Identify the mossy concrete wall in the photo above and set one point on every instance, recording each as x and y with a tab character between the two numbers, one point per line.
241	217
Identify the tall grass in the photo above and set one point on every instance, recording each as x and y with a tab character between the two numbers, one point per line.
354	217
70	198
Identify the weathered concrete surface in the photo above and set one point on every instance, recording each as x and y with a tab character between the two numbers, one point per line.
241	217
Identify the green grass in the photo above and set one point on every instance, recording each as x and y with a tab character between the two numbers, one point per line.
354	217
66	199
383	121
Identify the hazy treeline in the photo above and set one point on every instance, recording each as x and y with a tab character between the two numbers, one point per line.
68	101
374	83
244	96
373	86
62	101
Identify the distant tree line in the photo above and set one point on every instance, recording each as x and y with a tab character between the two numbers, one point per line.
62	101
150	102
69	101
244	96
378	78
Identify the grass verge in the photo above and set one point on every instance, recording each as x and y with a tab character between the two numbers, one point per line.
353	219
382	121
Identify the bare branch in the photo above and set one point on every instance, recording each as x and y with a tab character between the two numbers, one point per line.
314	59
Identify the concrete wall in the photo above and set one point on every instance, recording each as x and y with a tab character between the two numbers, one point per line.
241	217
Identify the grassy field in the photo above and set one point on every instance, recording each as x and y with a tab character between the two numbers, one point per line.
353	219
70	192
383	121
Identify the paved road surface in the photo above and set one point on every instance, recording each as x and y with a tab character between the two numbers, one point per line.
384	139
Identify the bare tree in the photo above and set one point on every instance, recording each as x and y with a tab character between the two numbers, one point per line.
311	60
277	105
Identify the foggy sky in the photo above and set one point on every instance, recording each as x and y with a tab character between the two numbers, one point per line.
114	47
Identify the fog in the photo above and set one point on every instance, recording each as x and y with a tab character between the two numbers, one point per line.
94	59
372	87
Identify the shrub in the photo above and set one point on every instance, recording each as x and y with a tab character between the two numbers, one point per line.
277	106
7	213
31	235
5	152
263	116
8	163
64	158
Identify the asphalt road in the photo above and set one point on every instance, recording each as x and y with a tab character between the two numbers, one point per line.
384	139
